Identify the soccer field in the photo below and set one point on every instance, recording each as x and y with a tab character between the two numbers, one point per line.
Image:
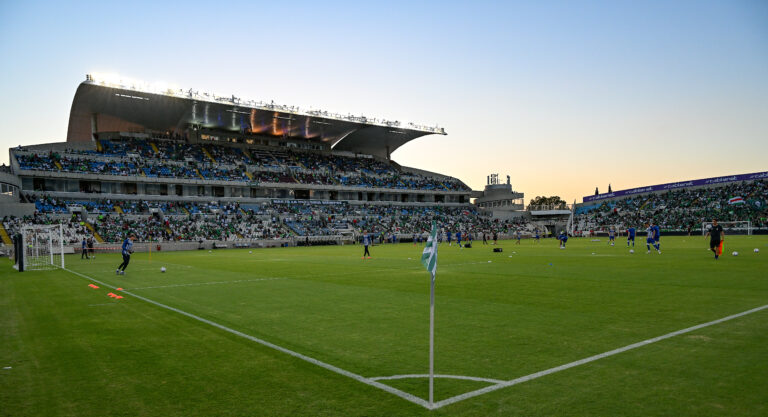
320	331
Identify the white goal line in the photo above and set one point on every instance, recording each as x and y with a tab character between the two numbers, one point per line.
526	378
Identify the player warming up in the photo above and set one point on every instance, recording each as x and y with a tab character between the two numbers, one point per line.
366	242
563	238
612	236
716	238
631	236
127	251
650	240
656	237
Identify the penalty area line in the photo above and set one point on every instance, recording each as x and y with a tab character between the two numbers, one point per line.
402	394
526	378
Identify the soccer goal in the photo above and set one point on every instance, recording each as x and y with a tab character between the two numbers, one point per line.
42	247
730	228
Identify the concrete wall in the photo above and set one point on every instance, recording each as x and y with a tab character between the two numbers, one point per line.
10	206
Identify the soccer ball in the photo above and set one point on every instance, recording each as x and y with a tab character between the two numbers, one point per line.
757	250
162	269
735	253
631	251
250	251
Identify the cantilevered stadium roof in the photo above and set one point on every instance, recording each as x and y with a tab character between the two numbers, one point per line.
104	106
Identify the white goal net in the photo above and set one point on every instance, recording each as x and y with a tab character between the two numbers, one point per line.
730	228
43	247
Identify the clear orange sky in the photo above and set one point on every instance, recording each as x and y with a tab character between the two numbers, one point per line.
562	96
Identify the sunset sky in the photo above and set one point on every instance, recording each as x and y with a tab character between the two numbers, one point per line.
563	96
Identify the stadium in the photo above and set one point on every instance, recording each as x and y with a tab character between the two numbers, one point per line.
247	293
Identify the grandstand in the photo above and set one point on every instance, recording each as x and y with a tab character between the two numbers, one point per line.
680	207
185	166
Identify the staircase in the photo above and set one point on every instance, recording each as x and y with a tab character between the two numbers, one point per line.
98	146
58	165
119	209
249	175
248	155
154	147
93	231
208	154
197	171
4	235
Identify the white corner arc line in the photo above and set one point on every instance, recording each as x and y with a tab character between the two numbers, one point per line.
402	394
526	378
467	378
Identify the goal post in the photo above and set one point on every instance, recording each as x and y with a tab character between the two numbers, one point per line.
730	228
42	247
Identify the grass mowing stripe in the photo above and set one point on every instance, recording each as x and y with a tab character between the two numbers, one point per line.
589	359
364	380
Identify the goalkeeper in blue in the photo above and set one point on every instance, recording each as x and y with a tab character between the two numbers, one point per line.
127	251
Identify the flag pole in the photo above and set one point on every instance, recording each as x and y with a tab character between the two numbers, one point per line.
429	260
432	341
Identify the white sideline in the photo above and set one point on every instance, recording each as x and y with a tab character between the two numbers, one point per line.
402	394
207	283
416	400
589	359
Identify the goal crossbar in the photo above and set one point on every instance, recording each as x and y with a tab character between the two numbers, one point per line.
42	247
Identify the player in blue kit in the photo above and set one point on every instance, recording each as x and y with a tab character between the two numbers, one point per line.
563	238
650	240
612	236
127	251
458	238
657	237
536	236
631	236
449	238
366	243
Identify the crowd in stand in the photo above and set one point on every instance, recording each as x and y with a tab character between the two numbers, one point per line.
682	210
186	221
175	159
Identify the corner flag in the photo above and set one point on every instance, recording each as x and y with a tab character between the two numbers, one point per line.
429	255
429	260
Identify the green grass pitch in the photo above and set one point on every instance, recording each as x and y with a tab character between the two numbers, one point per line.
68	349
